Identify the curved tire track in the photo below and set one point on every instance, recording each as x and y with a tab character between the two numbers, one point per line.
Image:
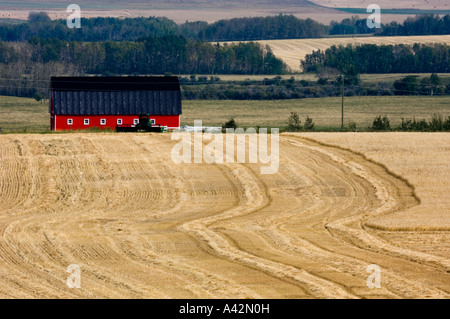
140	226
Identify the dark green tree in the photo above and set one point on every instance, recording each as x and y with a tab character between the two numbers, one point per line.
406	86
309	124
380	124
230	124
38	17
294	123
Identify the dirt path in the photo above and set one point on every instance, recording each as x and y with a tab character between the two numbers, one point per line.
140	226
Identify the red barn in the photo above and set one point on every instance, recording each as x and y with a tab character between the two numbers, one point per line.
105	102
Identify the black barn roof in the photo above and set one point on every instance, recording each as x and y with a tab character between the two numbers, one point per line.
117	83
115	95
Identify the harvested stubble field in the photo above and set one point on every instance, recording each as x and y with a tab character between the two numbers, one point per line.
180	10
140	226
294	50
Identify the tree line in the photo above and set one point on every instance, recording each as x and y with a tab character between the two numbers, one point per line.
353	25
371	58
437	123
410	85
25	68
157	55
92	29
278	88
131	29
261	28
418	25
421	25
236	29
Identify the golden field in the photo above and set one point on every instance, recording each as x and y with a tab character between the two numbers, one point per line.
294	50
140	226
197	13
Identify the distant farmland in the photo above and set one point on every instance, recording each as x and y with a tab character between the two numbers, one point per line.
182	10
386	4
292	51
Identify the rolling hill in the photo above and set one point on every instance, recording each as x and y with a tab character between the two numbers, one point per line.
181	10
292	51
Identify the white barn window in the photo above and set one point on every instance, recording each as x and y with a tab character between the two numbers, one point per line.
152	121
119	121
86	121
135	121
69	121
102	121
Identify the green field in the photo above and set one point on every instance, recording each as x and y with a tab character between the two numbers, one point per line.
326	112
27	115
23	115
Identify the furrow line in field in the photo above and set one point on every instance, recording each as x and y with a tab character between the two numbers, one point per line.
361	238
255	198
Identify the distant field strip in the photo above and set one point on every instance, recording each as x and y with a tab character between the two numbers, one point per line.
294	50
386	4
141	226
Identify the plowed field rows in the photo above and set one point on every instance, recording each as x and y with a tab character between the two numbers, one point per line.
140	226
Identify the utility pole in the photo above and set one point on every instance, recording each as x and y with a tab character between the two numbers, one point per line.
342	105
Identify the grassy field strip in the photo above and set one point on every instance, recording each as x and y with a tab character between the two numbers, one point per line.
325	112
27	115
